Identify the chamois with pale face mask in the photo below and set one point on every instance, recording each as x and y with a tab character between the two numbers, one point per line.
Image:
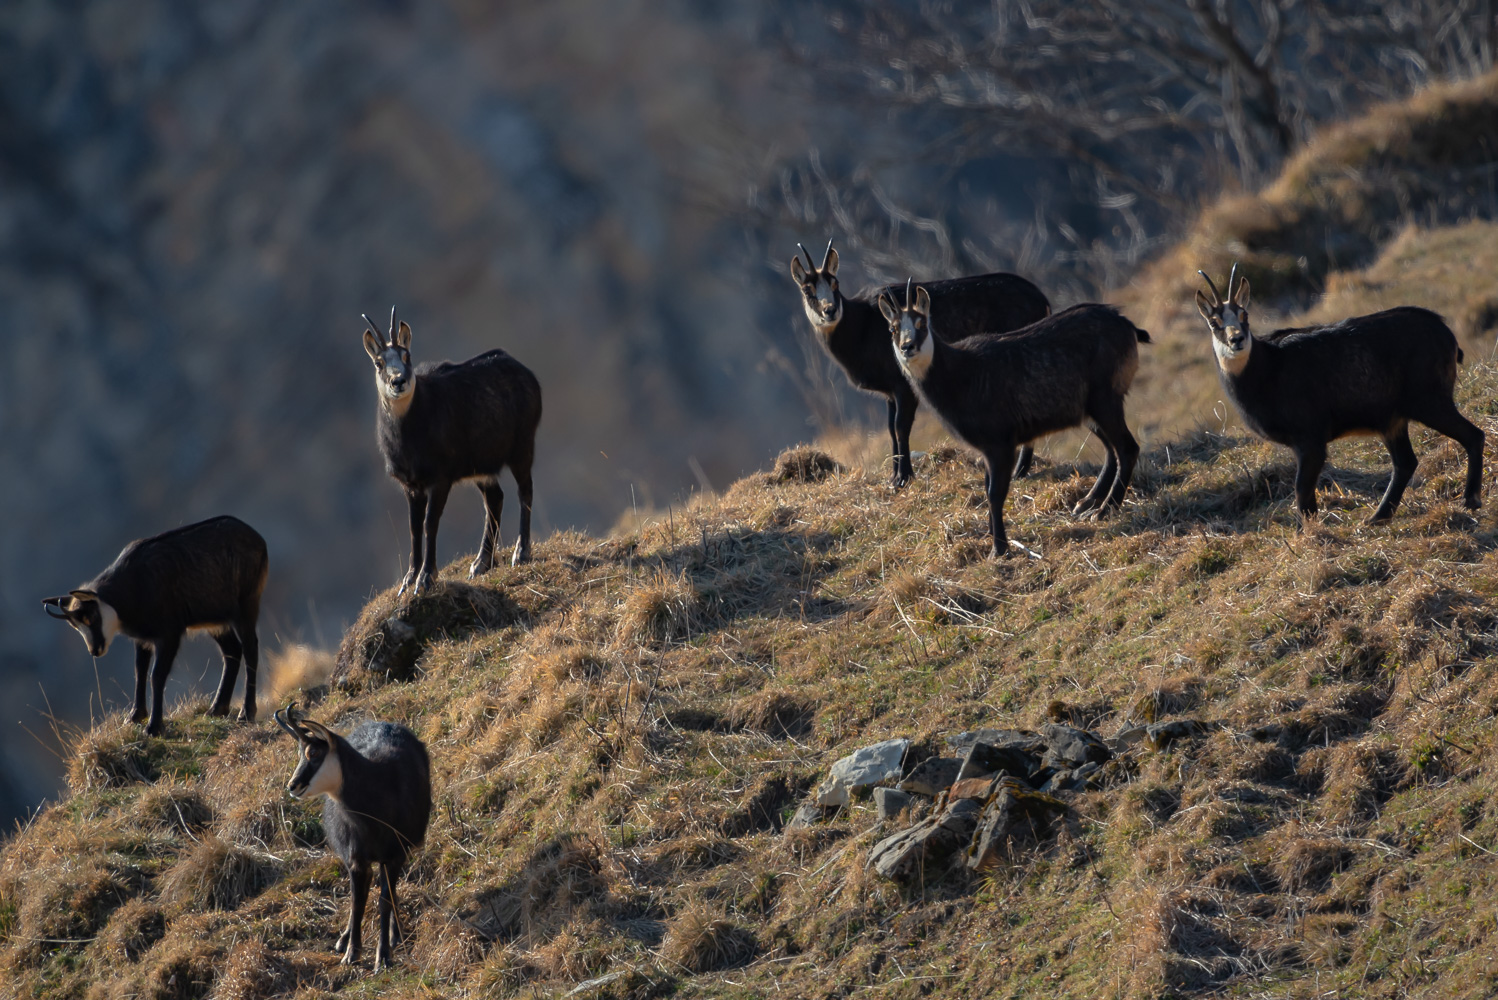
202	577
995	391
445	423
377	783
1307	386
852	332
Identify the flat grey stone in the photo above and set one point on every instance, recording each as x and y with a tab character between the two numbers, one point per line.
931	775
861	769
808	814
1013	739
890	802
928	844
1070	747
984	759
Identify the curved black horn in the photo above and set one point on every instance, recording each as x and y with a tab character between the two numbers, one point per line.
1232	295
1216	295
53	613
808	258
827	255
392	324
282	722
909	282
372	328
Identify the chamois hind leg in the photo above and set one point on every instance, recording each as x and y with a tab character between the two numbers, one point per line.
251	643
521	470
228	644
1310	459
1023	462
1000	466
385	944
142	672
1444	418
1403	456
494	504
1094	498
1114	430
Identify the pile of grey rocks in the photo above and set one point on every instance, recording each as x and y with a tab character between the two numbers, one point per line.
992	786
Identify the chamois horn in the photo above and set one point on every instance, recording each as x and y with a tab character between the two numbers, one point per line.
1216	295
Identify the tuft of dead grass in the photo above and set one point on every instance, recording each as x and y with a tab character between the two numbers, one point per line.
666	608
804	465
217	875
703	939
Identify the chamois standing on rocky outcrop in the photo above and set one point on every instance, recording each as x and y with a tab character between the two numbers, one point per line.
852	332
378	787
1305	387
997	390
444	423
202	577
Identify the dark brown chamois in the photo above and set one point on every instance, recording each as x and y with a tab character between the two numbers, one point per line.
206	576
378	783
1305	387
444	423
996	391
858	340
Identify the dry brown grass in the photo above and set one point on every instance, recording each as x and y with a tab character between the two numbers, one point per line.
703	940
216	875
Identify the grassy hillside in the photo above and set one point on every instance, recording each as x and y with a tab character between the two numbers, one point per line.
621	730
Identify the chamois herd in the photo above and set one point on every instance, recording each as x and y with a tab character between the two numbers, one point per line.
984	352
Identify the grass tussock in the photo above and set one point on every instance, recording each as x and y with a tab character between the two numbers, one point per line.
216	875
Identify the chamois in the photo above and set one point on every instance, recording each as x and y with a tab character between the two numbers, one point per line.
1305	387
378	787
852	333
995	391
445	423
206	576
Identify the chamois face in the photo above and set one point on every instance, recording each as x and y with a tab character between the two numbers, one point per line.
819	295
1232	340
94	619
910	331
318	771
395	379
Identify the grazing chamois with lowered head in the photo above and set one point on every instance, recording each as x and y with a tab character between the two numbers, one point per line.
202	577
378	787
1305	387
445	423
852	332
995	391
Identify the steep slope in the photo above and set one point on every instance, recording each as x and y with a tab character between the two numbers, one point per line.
620	731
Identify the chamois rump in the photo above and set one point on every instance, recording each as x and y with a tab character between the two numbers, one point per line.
995	391
445	423
207	577
1305	387
378	787
852	332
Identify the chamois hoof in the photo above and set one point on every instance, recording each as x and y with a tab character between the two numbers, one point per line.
138	717
218	711
479	568
246	715
1472	503
341	945
156	728
1380	517
522	554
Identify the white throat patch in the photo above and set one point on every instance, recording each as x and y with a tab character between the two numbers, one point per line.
397	405
329	778
1230	361
916	364
109	624
824	327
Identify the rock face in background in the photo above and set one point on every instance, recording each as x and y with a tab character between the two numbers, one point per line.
198	201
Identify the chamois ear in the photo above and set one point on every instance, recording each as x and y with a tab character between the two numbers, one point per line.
830	267
891	314
1204	306
403	336
83	595
1240	297
798	271
922	302
371	346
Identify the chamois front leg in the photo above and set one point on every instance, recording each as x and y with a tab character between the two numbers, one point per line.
166	652
494	505
902	407
251	643
142	671
436	501
1402	454
228	644
416	509
1000	463
350	942
1310	459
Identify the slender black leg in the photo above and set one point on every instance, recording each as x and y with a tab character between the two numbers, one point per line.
228	644
1445	418
166	652
350	941
387	910
1000	463
416	508
903	419
1022	464
436	500
142	671
1114	430
494	504
1403	456
1095	496
1310	459
251	643
521	470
